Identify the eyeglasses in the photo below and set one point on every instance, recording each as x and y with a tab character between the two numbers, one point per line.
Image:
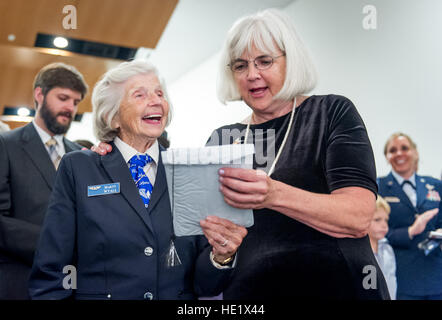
261	63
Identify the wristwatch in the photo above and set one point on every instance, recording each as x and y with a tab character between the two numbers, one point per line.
225	261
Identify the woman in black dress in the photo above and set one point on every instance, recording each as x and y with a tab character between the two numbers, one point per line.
313	205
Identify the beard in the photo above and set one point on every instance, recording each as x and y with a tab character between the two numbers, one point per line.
50	119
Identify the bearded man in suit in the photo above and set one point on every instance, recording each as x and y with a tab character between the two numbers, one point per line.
29	157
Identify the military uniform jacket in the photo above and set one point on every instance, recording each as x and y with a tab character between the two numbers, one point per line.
417	274
117	246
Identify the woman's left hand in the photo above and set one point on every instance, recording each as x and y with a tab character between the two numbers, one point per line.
246	188
223	235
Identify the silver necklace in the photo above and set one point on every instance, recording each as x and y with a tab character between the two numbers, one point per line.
272	168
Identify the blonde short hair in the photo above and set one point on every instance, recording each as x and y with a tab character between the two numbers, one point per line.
381	203
266	29
396	135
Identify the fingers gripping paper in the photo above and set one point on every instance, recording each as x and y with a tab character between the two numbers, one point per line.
193	182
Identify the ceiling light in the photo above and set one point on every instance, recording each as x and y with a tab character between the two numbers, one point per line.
11	37
23	112
61	42
72	46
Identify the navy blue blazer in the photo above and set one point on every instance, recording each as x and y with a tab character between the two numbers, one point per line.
416	273
118	247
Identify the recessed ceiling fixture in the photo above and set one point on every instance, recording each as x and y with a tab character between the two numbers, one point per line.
17	114
61	42
71	45
23	112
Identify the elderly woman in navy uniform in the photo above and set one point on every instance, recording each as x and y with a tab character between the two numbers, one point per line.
415	209
109	216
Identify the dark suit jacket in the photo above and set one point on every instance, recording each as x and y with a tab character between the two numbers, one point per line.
26	178
106	237
417	274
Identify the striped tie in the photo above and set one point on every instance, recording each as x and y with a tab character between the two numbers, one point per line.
136	165
55	157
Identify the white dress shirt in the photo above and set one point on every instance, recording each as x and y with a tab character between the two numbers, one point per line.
387	263
128	152
409	190
45	137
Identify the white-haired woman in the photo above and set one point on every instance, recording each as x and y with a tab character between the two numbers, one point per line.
108	230
313	206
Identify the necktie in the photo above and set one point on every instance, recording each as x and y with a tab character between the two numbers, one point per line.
55	157
409	183
410	191
136	165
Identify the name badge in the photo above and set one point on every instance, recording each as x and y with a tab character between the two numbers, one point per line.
392	199
103	189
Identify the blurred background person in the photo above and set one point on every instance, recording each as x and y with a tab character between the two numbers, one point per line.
313	207
415	209
29	157
162	140
120	241
84	143
382	250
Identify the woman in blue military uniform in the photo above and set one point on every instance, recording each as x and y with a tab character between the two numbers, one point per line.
109	217
415	210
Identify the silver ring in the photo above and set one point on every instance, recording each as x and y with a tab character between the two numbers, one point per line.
224	243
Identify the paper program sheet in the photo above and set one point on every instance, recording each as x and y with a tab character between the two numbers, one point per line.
193	182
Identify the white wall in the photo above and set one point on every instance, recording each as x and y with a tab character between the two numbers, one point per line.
196	31
392	74
196	110
82	130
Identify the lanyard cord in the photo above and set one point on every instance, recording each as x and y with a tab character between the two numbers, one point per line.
272	168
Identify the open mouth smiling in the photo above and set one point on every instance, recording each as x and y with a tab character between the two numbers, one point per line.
153	118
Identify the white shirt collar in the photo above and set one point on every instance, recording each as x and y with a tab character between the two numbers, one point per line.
128	152
45	137
400	179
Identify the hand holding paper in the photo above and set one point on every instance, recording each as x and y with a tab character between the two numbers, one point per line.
223	235
245	189
193	182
